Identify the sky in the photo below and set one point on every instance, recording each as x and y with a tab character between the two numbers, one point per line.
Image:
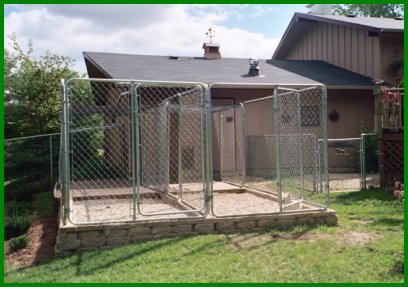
243	31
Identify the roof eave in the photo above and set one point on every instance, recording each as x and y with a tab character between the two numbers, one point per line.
351	87
97	66
285	35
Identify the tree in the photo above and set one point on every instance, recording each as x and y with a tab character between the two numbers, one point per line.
32	92
369	10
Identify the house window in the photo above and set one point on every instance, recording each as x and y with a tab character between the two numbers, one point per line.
310	116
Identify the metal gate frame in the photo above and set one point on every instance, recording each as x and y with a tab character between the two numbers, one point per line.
319	166
205	138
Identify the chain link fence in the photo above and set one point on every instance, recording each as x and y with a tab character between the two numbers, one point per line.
353	163
270	145
133	150
344	158
30	165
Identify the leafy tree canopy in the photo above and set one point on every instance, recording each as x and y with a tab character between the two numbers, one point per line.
32	91
368	10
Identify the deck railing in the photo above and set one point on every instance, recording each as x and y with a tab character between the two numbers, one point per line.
392	108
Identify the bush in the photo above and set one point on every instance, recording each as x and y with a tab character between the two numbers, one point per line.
16	226
15	208
24	190
19	242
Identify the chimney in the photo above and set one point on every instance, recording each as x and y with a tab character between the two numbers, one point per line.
211	51
321	9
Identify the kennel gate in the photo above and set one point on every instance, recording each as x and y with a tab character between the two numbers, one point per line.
272	144
134	150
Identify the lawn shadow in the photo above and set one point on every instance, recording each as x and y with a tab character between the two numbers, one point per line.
390	222
351	198
108	264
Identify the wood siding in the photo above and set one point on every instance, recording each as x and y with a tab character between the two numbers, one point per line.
349	48
356	108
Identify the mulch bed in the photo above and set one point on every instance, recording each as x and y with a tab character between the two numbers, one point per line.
40	249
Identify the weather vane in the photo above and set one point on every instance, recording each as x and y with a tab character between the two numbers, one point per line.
210	34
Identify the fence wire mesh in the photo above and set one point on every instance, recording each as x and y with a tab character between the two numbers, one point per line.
100	182
136	150
301	124
172	127
276	151
370	162
30	165
260	144
344	163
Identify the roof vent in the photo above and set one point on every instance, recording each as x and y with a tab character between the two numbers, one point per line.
174	57
253	68
351	15
399	18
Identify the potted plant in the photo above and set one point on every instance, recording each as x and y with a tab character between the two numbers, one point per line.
397	67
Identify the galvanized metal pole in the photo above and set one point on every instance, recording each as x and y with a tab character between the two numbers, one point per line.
167	151
277	137
243	145
51	164
362	163
221	147
66	165
316	170
180	149
299	116
135	148
325	152
209	190
319	162
202	139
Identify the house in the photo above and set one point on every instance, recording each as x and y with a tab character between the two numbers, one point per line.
365	45
348	92
373	47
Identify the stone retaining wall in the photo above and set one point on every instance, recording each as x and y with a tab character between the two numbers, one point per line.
90	237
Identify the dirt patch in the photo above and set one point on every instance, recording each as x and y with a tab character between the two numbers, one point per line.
357	238
312	236
250	240
42	234
254	240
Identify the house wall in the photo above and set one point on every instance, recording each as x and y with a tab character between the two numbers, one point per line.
349	48
227	97
355	107
392	48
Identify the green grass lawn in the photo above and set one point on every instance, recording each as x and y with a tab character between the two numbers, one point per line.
366	246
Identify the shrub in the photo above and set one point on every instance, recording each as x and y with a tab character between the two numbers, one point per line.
16	226
16	208
19	242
